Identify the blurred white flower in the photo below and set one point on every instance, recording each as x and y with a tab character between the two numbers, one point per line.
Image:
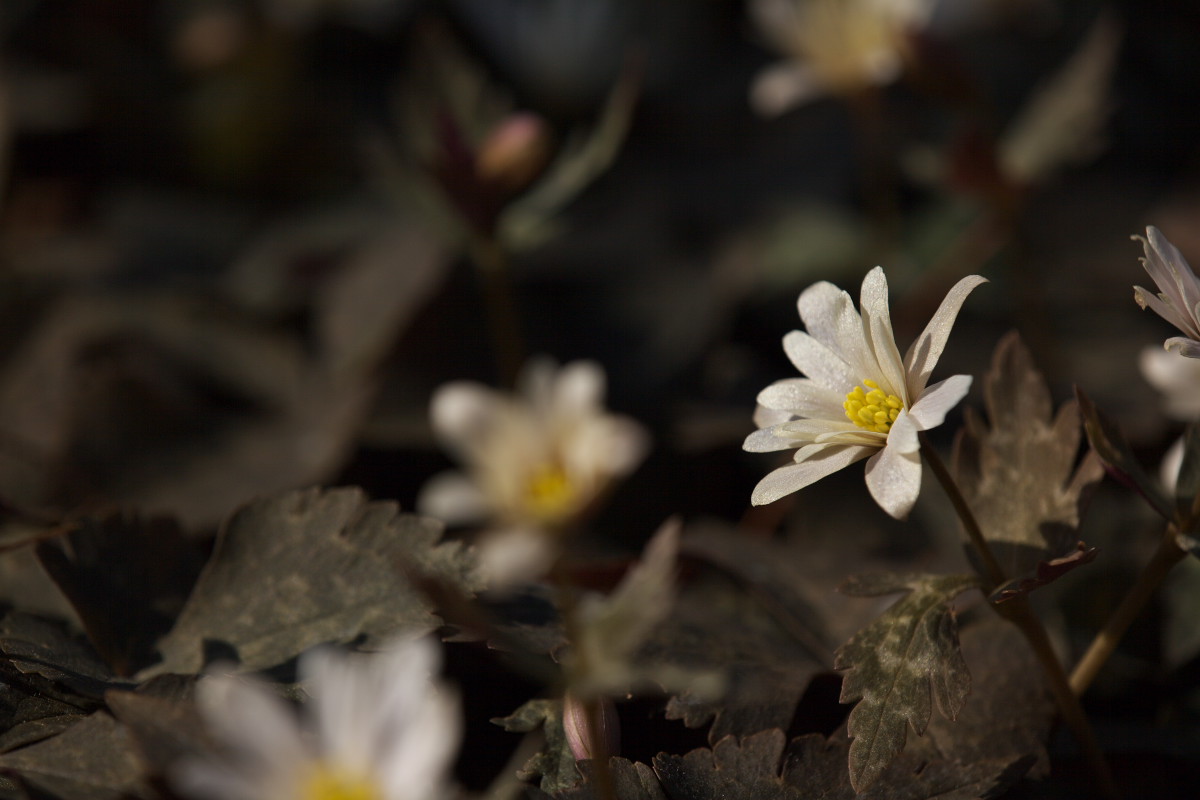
859	398
377	728
839	46
1177	377
1179	299
535	461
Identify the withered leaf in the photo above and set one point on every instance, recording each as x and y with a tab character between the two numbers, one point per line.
811	767
162	728
91	760
631	780
896	662
307	567
555	763
127	578
1046	572
1119	461
1017	470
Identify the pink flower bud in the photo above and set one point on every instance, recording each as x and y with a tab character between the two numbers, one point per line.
575	725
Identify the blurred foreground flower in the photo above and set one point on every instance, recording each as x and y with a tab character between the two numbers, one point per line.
1177	377
1179	299
535	461
379	729
839	46
858	399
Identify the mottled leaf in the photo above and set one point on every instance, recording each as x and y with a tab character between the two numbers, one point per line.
91	760
127	578
555	764
308	567
1119	461
630	781
1018	469
811	767
896	663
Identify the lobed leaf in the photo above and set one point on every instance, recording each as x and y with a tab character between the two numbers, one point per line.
896	663
1119	461
308	567
1017	471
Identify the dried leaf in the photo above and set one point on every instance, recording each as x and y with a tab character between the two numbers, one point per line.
759	767
1119	461
308	567
1047	572
127	578
555	763
894	664
1017	470
91	760
630	781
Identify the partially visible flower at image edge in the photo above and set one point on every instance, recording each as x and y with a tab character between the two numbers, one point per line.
859	399
1178	301
377	727
534	461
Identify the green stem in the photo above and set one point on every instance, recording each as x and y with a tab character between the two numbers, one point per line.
1018	611
1168	554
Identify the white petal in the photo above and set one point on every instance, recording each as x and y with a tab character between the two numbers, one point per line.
820	363
923	354
418	762
1147	299
514	555
803	397
877	328
894	479
1189	348
461	412
931	407
255	723
784	86
769	417
453	498
794	477
1183	280
536	383
1177	377
1168	471
768	440
830	317
579	389
627	445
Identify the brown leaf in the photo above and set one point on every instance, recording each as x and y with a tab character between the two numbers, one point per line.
1047	572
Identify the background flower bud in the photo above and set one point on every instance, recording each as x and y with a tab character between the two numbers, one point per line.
575	725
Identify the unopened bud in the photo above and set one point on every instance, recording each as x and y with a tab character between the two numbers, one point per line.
514	153
579	738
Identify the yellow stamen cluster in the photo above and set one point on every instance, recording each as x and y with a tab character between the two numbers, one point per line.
550	494
872	410
331	783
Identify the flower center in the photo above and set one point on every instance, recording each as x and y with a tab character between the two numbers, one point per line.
871	409
550	493
332	783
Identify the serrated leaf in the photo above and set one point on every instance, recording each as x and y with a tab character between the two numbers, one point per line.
308	567
811	767
555	763
896	663
1018	469
630	781
1114	451
1045	573
91	760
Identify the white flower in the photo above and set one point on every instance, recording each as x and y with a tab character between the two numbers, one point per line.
859	398
1177	377
376	728
1179	300
535	461
839	46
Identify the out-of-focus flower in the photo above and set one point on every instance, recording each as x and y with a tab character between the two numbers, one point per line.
859	398
1177	377
1178	301
377	728
535	461
839	46
578	731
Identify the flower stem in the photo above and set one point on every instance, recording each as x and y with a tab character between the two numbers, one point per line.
503	320
1018	611
1168	554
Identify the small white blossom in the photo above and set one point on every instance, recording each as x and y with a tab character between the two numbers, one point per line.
1177	377
1178	301
535	461
377	728
859	399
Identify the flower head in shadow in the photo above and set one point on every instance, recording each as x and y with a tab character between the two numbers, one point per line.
1178	301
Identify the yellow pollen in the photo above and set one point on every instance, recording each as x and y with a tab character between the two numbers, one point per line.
550	494
871	409
332	783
